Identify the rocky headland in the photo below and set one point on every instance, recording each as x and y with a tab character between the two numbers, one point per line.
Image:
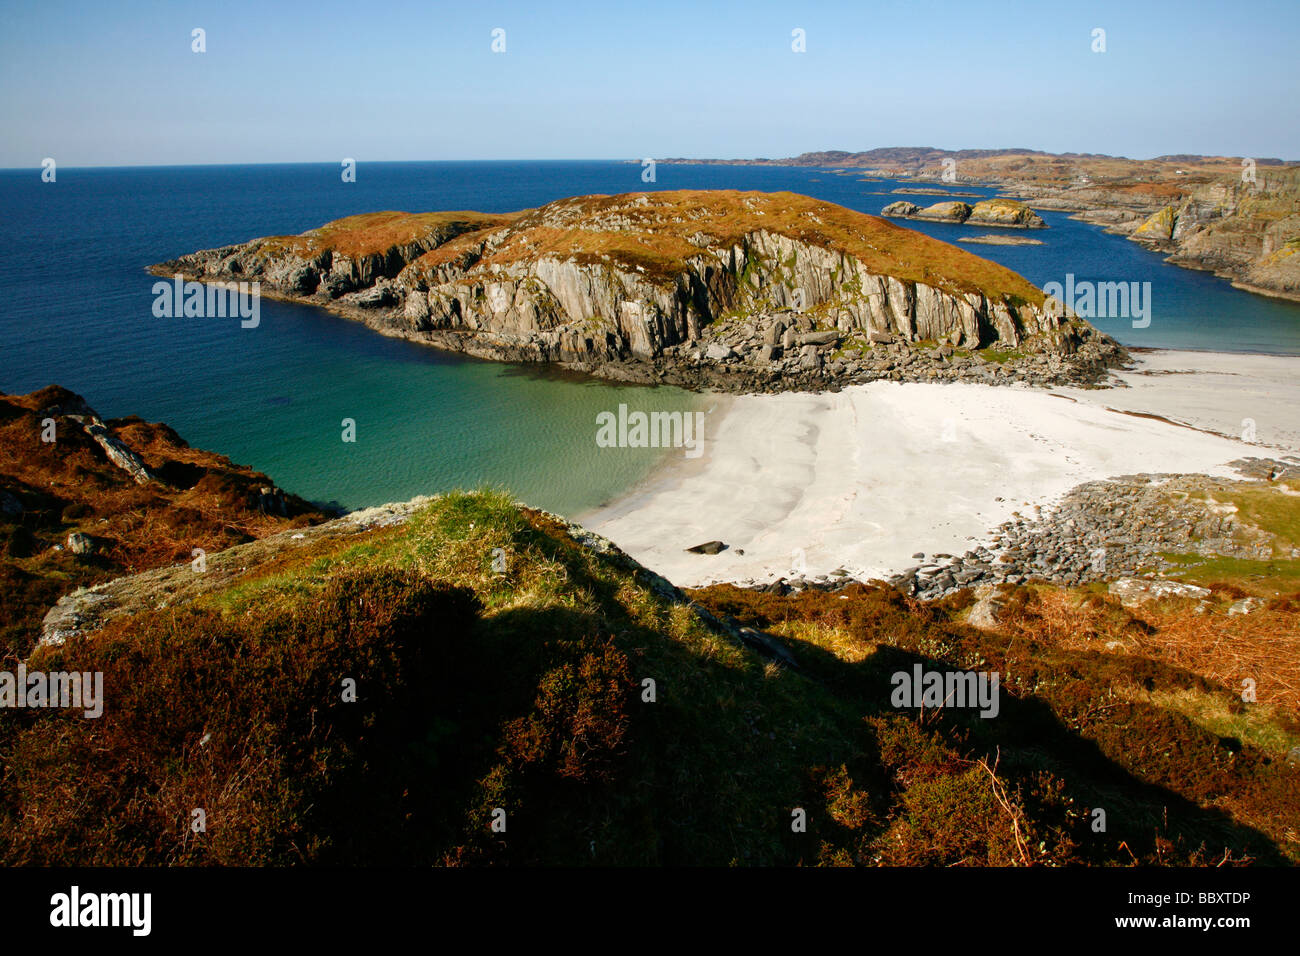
84	499
742	292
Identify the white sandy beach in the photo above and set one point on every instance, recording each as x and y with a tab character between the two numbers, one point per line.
861	479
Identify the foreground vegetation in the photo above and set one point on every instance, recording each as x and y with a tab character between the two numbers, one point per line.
501	664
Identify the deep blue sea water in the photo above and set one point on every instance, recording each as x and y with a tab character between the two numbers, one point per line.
76	311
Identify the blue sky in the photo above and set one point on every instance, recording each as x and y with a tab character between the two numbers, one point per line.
116	83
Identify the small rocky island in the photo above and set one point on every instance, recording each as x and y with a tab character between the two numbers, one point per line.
736	291
992	239
1006	213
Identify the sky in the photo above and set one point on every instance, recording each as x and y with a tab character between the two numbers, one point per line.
109	83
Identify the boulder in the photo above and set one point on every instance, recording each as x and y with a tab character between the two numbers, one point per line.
1135	591
902	209
709	547
118	452
1245	606
79	543
819	338
985	612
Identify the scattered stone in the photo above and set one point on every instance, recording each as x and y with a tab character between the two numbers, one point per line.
984	613
1102	530
1245	606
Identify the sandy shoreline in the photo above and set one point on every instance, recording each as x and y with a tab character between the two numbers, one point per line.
861	479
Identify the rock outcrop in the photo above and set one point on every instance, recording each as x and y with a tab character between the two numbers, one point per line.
88	609
83	499
656	286
1006	213
1233	231
1131	526
1245	231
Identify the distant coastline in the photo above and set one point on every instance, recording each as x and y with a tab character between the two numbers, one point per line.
1236	217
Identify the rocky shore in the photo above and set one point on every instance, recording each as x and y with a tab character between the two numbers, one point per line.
1247	233
786	352
1121	530
1101	531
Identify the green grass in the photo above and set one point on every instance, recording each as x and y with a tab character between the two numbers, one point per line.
1269	510
1278	576
1254	724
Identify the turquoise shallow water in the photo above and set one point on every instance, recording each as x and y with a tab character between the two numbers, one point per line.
78	313
424	421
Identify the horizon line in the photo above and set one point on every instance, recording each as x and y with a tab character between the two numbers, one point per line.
775	161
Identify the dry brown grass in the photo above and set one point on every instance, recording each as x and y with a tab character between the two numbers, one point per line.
374	233
650	230
203	501
1263	645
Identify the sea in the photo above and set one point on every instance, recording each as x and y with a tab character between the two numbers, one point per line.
77	311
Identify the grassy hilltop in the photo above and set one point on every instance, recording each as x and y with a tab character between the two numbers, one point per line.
658	232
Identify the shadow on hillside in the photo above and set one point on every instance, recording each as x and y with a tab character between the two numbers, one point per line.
1027	736
1145	766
